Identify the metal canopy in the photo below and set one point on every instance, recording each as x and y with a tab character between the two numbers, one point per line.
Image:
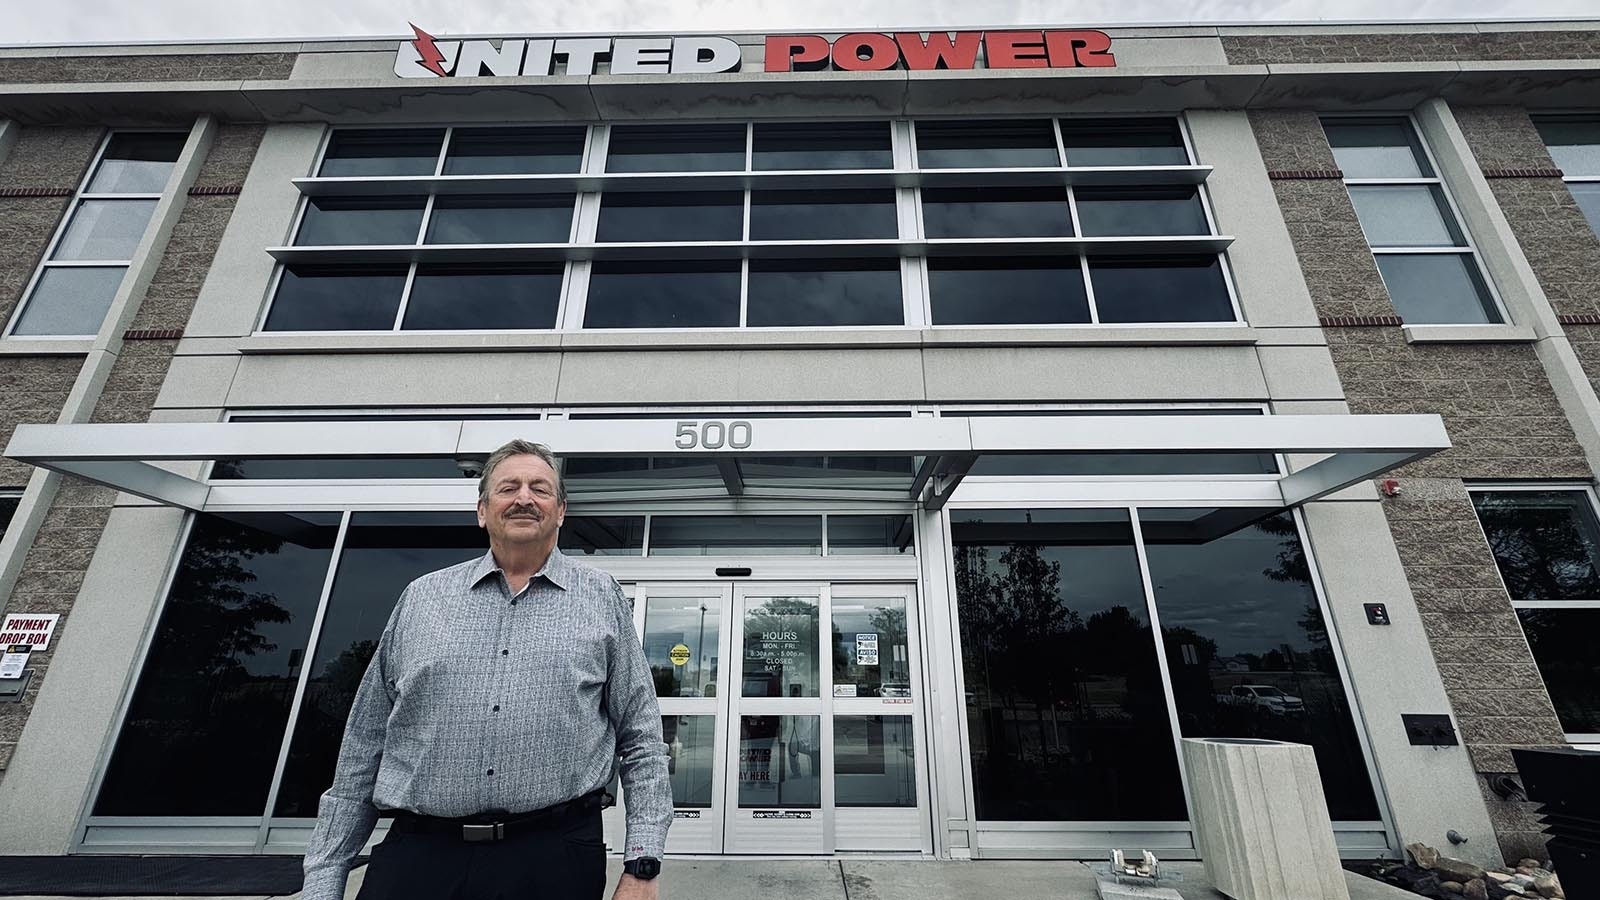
1353	448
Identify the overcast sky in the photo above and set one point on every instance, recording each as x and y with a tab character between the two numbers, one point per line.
74	21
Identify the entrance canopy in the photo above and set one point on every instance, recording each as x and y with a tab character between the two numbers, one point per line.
918	459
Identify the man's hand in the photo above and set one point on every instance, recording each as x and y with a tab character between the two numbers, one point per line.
631	888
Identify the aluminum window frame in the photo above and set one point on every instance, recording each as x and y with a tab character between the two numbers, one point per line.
1567	179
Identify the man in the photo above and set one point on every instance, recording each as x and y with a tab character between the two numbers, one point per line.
500	692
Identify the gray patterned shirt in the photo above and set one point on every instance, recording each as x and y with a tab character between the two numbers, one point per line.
477	700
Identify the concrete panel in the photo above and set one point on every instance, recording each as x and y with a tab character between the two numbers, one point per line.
745	376
1108	335
1094	373
47	784
449	379
1045	91
320	66
1300	373
1266	273
197	381
235	288
1353	86
749	95
1148	51
380	99
1430	791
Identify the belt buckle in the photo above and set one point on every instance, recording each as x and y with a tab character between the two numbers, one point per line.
477	833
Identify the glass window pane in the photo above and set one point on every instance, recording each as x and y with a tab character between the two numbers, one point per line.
736	536
528	219
822	145
70	301
1405	216
647	217
676	148
383	152
1136	464
1160	289
1123	142
1004	291
483	297
871	650
1065	703
995	212
984	144
1437	288
691	759
1247	646
870	536
663	295
137	163
105	230
514	151
1574	144
829	292
1568	655
343	298
8	508
277	467
203	730
874	761
1104	212
1376	148
822	215
1544	542
602	535
1587	194
780	647
680	643
780	762
351	221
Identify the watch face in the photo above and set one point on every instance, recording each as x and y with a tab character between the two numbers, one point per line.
646	867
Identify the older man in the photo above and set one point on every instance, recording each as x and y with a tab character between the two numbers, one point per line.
500	693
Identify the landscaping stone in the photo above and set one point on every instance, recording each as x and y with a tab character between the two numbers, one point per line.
1476	890
1460	870
1530	863
1454	887
1423	855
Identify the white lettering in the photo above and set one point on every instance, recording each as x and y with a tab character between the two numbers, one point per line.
540	55
691	55
641	56
476	56
582	53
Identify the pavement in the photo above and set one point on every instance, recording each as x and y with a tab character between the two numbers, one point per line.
880	879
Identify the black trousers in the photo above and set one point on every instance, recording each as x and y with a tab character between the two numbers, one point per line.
564	860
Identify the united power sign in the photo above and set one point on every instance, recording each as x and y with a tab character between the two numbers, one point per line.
429	57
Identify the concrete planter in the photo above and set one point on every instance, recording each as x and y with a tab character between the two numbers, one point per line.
1261	820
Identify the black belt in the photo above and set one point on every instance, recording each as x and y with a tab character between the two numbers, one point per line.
497	826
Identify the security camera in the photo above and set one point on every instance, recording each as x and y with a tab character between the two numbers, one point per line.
470	468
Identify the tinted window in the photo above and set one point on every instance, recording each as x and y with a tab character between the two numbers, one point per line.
529	219
602	535
1436	288
822	215
1081	464
1587	196
1123	142
136	163
981	144
1104	212
1065	706
276	467
1157	289
676	148
1376	148
105	230
822	145
870	535
825	292
483	296
8	508
1574	145
206	721
1006	291
1405	215
663	295
344	298
995	212
736	535
874	761
647	217
70	300
1546	543
1568	656
382	152
348	221
514	151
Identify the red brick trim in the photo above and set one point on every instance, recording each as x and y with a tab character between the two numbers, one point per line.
37	192
1579	319
1523	173
1303	174
215	190
1360	321
152	334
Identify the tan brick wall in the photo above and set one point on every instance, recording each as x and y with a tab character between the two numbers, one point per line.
1410	46
32	390
151	67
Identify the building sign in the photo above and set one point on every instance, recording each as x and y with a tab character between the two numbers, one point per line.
426	56
33	629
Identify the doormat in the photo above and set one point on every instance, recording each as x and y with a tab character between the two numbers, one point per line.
133	876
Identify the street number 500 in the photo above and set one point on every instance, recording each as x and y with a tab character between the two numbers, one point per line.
713	435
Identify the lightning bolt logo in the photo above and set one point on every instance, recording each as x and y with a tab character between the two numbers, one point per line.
428	55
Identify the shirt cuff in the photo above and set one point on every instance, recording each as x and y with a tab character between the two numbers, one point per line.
645	841
325	882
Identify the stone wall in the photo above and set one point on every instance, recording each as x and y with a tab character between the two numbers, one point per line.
37	181
32	391
1410	46
146	67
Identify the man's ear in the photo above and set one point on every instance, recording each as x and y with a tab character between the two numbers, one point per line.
481	514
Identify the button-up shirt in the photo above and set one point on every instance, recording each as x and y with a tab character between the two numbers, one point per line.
479	700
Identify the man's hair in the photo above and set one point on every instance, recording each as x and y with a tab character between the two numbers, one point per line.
520	447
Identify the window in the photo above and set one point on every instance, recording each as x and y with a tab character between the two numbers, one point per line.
81	273
1574	144
349	221
663	295
1160	289
9	500
527	219
483	297
1546	544
514	151
676	148
821	145
663	217
1123	142
1425	258
337	298
1007	291
996	212
382	152
822	215
812	292
986	144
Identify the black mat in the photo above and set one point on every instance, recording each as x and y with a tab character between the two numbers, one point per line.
128	876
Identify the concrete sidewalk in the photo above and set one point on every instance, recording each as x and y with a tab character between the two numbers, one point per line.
870	879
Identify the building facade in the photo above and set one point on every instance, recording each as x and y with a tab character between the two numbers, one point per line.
970	416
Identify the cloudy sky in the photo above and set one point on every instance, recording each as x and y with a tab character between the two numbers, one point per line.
73	21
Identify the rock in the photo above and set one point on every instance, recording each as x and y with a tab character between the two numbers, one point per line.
1424	855
1548	887
1527	870
1523	880
1475	889
1498	877
1454	887
1528	862
1460	870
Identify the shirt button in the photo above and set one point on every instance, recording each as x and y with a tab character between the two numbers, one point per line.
491	772
513	603
505	652
496	708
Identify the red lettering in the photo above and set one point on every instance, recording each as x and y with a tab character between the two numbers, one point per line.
1015	50
938	51
797	52
1079	48
865	52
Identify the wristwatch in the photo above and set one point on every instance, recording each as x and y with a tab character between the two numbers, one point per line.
644	868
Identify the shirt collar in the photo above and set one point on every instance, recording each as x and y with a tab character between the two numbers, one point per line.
557	569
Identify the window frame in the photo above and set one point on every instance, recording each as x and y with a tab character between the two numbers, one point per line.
1566	178
7	493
